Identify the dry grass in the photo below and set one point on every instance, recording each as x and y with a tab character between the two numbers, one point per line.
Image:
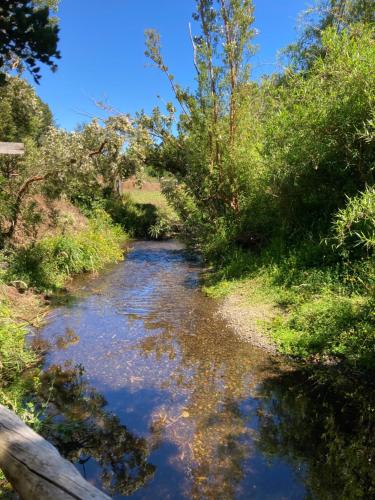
27	307
148	197
54	215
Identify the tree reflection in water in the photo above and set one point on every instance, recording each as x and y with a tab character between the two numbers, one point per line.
80	427
325	420
241	404
212	431
226	420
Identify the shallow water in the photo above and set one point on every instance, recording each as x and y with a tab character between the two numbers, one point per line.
153	396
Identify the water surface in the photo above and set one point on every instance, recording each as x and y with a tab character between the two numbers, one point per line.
154	396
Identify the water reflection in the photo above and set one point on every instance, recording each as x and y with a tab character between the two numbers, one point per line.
218	418
212	426
323	421
78	424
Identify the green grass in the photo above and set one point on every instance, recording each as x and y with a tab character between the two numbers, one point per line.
15	359
144	214
48	263
18	376
152	197
324	310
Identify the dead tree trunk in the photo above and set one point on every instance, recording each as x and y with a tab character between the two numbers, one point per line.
35	468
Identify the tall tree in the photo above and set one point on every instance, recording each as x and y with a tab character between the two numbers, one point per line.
222	48
23	114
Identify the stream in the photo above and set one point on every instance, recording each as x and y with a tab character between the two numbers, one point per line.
153	396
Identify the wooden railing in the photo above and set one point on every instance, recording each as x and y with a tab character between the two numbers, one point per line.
35	468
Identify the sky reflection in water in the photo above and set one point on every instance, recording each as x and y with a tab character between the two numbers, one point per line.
197	408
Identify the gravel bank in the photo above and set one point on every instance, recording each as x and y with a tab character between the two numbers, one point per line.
248	320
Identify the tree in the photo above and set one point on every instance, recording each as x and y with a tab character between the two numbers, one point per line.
24	117
205	151
27	36
339	14
23	114
319	146
85	165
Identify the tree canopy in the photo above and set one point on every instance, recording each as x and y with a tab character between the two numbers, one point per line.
27	36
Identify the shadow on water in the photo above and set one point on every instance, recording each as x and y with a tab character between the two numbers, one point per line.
88	435
323	420
154	397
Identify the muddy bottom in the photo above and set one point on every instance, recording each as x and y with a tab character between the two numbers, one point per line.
153	396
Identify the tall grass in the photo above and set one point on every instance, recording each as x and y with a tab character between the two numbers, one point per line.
15	358
326	305
49	262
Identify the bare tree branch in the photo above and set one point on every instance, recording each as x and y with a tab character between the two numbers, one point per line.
98	151
18	201
194	49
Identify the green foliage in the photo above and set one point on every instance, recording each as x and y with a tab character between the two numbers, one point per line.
23	114
319	147
203	156
86	166
142	215
354	225
24	117
324	309
338	326
15	358
290	171
49	262
324	14
271	160
165	226
27	36
136	218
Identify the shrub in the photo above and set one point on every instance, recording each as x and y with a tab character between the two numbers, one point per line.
14	357
339	326
49	262
319	134
354	225
148	219
135	218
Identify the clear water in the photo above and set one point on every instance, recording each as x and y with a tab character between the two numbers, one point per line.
153	396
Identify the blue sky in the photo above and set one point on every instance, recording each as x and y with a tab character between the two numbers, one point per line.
102	47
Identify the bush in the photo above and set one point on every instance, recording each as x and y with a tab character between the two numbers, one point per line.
339	326
49	262
354	225
319	145
143	220
135	218
15	359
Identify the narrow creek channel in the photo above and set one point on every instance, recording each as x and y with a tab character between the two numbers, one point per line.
155	397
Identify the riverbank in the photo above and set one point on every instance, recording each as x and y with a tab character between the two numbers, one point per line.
151	363
315	313
30	277
249	317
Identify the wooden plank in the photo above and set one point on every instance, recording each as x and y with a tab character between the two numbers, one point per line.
35	468
12	148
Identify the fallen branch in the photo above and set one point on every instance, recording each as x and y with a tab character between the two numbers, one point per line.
35	468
